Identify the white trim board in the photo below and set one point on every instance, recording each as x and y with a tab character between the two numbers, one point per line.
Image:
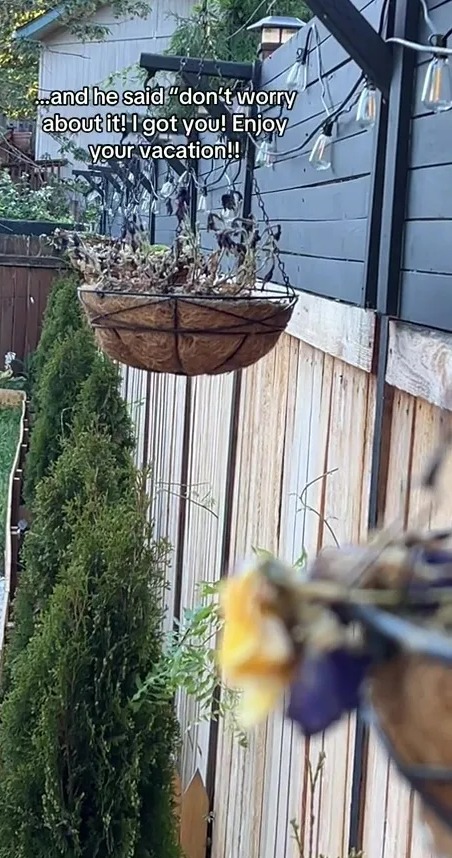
340	330
420	363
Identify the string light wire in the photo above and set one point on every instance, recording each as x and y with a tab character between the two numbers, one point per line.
344	107
427	18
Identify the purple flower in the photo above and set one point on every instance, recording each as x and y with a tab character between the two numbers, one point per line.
327	686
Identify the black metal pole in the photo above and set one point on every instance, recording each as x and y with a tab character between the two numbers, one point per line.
250	152
358	38
153	215
373	236
406	24
194	65
224	568
378	478
382	291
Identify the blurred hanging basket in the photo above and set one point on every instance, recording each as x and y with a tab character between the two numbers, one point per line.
177	310
365	628
409	703
403	663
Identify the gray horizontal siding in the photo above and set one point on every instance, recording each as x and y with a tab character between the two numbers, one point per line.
426	276
323	215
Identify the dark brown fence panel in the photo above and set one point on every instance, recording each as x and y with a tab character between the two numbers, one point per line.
27	271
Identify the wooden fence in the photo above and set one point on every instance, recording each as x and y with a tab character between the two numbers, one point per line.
27	271
280	457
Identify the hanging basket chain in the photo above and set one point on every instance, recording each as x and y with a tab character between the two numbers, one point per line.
277	252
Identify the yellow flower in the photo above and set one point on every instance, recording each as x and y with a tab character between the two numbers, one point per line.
256	653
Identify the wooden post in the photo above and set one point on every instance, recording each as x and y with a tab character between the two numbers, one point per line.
194	818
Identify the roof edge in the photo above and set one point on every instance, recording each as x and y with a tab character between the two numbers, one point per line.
41	26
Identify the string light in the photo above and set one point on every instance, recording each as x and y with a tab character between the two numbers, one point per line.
262	153
320	157
437	90
366	112
297	79
202	200
167	189
271	152
266	152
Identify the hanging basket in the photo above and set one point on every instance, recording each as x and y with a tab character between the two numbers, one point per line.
186	334
410	705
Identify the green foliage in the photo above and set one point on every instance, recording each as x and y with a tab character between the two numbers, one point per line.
49	203
100	405
18	63
88	460
218	28
19	201
9	436
62	316
70	363
83	772
188	663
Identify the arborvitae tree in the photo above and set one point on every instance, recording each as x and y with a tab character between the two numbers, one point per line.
83	771
88	460
63	315
101	404
60	381
101	434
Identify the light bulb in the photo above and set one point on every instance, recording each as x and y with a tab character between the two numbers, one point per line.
202	202
155	208
167	189
366	112
227	215
271	154
297	79
262	154
437	90
320	157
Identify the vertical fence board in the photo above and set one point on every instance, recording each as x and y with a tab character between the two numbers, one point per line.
24	290
303	414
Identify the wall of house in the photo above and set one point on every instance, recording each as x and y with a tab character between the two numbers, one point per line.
324	215
426	278
68	64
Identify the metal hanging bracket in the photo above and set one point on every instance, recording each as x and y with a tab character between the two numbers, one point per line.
89	177
175	163
215	110
193	65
